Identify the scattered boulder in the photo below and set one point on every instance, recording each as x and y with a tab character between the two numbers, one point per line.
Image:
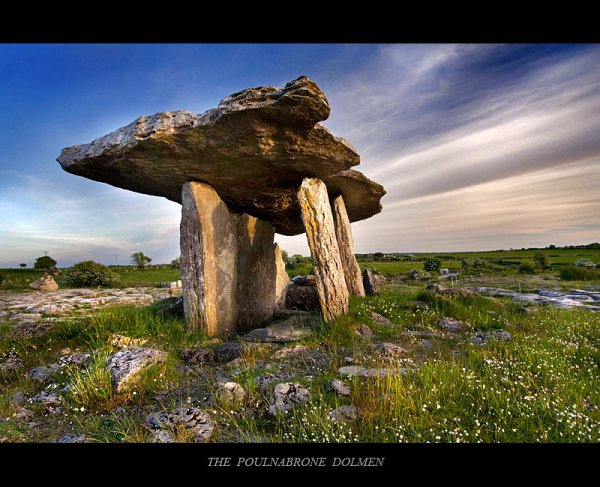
126	364
78	358
340	387
527	310
294	328
292	352
197	355
451	325
344	413
164	425
302	297
370	283
419	275
45	283
352	370
42	373
380	320
47	398
229	351
11	364
482	337
363	332
231	391
426	344
72	439
122	341
389	350
286	396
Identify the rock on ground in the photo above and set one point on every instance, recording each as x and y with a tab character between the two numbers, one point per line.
126	364
72	439
451	325
389	350
231	391
292	352
286	396
294	328
380	320
302	296
370	283
229	351
482	337
11	364
197	355
47	398
42	373
344	413
164	425
340	387
363	332
78	358
46	283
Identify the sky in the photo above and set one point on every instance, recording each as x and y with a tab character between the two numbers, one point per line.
478	146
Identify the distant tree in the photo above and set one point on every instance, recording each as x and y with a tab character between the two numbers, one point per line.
300	259
378	256
22	264
140	260
285	256
432	264
44	263
176	263
541	259
551	246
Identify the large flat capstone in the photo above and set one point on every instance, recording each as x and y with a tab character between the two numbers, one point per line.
254	150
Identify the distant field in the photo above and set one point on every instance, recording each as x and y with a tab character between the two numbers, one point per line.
19	279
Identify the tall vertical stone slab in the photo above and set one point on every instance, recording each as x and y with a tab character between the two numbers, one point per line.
209	248
262	280
343	233
320	232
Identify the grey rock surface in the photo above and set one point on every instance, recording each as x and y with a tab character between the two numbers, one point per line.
46	283
286	396
370	283
164	425
293	328
363	332
340	387
344	413
483	337
126	364
451	325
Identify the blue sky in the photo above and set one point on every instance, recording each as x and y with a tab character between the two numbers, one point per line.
479	146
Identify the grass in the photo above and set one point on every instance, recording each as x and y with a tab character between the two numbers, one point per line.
539	387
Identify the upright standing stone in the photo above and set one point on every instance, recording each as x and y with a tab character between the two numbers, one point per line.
262	280
320	232
208	260
343	233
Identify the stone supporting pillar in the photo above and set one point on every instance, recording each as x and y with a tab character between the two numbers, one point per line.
208	261
262	279
327	263
343	233
232	273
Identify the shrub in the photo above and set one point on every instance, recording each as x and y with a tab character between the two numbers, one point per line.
90	273
573	273
176	263
22	264
479	263
44	262
465	263
432	264
526	268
